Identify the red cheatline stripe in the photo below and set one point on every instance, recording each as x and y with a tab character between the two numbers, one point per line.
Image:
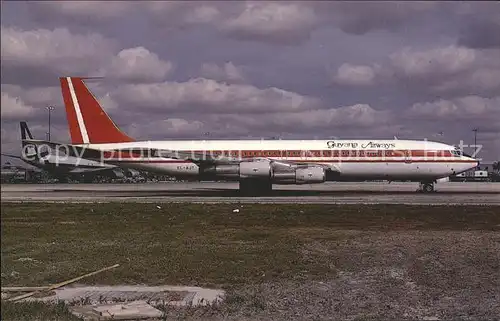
310	154
327	152
307	161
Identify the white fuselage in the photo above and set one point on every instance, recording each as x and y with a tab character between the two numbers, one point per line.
356	159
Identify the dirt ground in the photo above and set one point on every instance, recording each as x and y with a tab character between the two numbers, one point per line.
290	262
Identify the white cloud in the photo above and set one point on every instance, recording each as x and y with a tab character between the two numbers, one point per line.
228	72
318	122
355	115
14	108
35	96
60	52
202	14
274	22
206	95
449	71
107	102
63	51
452	70
354	75
448	60
138	64
464	108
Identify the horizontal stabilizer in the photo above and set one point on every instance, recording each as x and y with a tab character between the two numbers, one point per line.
69	149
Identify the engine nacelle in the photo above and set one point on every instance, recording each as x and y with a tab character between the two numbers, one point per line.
264	170
256	169
220	171
253	169
310	175
301	175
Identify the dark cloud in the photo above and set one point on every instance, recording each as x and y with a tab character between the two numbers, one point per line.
479	24
361	17
480	34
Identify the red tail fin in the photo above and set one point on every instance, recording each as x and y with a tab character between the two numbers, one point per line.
87	121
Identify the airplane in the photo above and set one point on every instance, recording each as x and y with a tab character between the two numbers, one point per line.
61	167
256	164
11	173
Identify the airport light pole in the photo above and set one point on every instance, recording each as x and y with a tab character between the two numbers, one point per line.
49	109
475	141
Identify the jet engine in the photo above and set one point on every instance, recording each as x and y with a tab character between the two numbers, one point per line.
301	175
266	170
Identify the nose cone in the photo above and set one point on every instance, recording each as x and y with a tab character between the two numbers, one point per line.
474	163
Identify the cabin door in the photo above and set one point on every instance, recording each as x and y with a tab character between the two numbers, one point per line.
408	159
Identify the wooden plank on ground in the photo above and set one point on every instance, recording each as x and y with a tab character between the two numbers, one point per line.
58	285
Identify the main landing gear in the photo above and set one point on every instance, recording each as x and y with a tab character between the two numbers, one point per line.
255	187
426	187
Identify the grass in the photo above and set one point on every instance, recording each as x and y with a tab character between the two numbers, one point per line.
209	245
36	311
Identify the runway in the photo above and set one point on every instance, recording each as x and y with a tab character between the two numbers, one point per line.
447	193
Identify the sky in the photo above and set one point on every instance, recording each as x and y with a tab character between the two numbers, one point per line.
259	69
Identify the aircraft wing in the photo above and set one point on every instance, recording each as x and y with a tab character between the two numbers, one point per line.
13	156
79	170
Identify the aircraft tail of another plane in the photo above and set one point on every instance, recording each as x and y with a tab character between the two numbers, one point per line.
29	150
25	131
88	122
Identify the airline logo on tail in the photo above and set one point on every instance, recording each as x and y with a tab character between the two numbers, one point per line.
87	120
29	151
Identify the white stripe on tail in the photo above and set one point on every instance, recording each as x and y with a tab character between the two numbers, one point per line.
76	105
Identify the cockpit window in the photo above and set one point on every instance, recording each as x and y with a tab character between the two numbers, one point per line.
459	153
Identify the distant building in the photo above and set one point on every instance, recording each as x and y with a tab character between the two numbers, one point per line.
484	172
488	166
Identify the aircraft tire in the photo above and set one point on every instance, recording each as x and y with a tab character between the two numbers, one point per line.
428	188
